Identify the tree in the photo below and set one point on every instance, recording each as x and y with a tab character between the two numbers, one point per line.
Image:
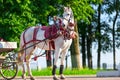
99	35
82	30
117	3
89	46
75	52
18	15
113	9
82	12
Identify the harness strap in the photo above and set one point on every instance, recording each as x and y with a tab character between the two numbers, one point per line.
34	36
24	36
34	39
24	44
35	33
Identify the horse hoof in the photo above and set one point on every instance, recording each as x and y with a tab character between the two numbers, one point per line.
62	77
23	77
32	78
55	78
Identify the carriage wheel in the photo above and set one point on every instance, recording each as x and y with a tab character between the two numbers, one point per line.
9	69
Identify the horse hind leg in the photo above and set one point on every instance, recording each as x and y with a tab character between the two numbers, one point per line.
21	63
23	72
20	54
29	71
28	65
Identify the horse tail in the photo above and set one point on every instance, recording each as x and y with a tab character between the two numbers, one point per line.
19	55
20	52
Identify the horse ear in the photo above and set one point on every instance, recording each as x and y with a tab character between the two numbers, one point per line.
69	8
65	9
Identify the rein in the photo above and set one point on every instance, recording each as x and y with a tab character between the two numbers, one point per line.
35	58
66	32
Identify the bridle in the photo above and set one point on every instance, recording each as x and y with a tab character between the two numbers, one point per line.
65	30
68	20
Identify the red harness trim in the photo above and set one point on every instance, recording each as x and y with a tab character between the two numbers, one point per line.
24	35
34	36
35	33
24	42
51	43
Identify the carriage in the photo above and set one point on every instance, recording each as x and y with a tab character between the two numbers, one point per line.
8	63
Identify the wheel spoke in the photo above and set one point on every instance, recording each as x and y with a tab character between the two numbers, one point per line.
9	70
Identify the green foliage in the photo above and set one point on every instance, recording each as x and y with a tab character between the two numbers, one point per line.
13	19
17	15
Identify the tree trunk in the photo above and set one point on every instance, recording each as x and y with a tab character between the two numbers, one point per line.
89	47
99	36
83	51
75	52
83	37
113	34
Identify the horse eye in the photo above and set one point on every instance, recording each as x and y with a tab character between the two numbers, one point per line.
68	14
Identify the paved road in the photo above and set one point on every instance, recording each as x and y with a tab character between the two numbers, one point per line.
73	78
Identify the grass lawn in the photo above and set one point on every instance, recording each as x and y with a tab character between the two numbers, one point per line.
48	72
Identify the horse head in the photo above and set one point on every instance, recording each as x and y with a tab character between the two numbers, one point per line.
68	18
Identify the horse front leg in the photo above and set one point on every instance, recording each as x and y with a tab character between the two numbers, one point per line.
57	53
62	65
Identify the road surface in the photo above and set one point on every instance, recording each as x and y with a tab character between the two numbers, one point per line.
71	78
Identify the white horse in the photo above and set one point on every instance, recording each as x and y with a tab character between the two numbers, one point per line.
57	37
